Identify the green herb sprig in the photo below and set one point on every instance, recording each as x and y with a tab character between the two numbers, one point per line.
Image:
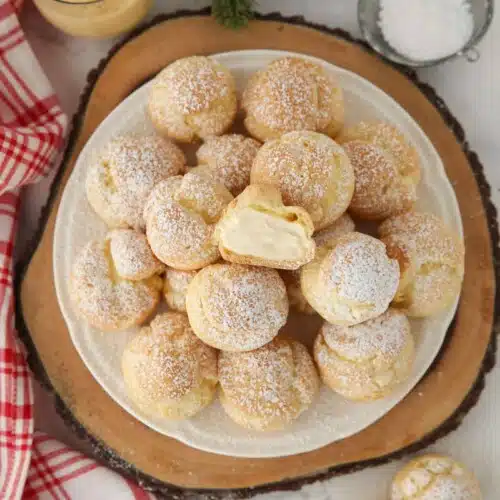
233	14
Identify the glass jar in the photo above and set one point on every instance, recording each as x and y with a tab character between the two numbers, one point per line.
94	18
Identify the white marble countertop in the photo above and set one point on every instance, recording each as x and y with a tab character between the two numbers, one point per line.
472	93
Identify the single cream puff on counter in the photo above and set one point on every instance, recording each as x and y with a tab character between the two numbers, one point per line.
435	477
257	229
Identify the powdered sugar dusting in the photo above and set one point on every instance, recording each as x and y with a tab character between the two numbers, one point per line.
194	83
366	361
435	477
240	306
231	157
245	298
166	360
283	96
121	176
201	193
361	272
341	226
193	97
384	336
431	258
388	138
426	237
176	284
324	238
132	255
386	167
293	94
180	216
107	300
270	386
311	171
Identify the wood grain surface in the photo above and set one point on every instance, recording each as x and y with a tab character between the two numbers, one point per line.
431	403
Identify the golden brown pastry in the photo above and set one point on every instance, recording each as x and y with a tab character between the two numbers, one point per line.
132	256
386	167
121	176
343	225
322	238
236	308
268	388
193	98
230	157
257	229
352	281
431	260
435	477
175	288
180	216
168	372
292	93
366	361
105	298
311	170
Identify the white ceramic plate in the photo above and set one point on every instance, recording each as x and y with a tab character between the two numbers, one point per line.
331	418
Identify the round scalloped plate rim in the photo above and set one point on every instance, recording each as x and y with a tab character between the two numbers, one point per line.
331	418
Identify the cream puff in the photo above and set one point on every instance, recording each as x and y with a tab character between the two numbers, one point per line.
236	308
322	238
386	167
268	388
180	216
431	260
168	372
107	299
132	255
230	157
121	176
435	477
192	98
257	229
366	361
175	287
290	94
343	225
311	170
352	281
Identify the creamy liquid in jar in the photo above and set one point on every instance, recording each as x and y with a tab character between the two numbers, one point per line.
98	18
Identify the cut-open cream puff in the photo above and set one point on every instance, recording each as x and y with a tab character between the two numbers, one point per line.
258	229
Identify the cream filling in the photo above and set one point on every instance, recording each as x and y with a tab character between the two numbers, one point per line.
261	234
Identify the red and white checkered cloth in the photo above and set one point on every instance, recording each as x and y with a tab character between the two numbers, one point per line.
32	128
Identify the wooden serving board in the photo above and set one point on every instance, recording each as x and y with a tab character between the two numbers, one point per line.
433	408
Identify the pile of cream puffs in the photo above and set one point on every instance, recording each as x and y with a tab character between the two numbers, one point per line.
264	222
